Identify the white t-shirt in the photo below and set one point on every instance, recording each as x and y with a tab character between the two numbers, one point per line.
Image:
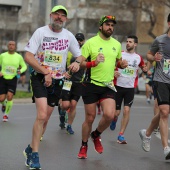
129	76
51	48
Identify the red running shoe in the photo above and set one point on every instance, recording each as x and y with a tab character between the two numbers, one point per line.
83	152
97	144
5	118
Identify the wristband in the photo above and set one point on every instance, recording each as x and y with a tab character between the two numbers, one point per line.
91	64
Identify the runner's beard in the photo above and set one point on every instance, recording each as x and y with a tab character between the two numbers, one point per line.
129	48
106	33
57	26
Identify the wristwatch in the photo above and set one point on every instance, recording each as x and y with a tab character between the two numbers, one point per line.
77	62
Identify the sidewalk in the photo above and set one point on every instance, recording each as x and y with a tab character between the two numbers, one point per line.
23	100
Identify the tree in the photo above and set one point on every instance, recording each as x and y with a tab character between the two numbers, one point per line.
146	7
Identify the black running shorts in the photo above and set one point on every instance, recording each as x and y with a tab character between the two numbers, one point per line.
52	93
154	90
92	93
162	92
73	94
126	95
8	85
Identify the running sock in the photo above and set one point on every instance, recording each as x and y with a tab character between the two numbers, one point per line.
84	143
62	119
9	105
4	102
95	134
121	134
62	114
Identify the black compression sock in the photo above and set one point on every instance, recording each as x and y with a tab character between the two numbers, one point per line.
96	134
84	143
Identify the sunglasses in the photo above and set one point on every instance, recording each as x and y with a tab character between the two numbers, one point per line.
107	18
110	17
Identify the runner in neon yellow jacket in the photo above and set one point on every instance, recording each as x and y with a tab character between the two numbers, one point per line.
9	62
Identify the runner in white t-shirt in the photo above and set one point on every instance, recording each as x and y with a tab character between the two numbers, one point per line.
46	53
125	82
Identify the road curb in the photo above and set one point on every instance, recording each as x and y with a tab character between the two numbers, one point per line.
22	100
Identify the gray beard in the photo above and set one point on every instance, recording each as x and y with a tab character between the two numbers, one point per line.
56	27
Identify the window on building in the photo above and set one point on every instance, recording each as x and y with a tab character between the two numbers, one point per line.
53	3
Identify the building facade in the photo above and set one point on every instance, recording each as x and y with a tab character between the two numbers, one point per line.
20	18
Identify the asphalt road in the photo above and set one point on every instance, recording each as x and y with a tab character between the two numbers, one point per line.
58	150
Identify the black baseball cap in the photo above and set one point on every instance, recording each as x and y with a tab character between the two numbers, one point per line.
168	19
80	36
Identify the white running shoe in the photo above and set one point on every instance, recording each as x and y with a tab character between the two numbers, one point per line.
167	152
145	140
148	100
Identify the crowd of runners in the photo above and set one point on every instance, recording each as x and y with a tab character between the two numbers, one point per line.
64	67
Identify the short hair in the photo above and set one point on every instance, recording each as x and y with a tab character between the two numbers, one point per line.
168	19
133	37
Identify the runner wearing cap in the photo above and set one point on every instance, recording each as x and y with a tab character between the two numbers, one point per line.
100	53
46	53
72	96
80	38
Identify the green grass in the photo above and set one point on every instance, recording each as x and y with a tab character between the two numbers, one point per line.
22	94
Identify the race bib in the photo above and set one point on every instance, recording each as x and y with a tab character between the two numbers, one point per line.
128	71
67	85
147	80
166	66
10	70
110	85
52	59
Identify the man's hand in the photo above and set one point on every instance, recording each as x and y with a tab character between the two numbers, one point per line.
124	64
144	68
99	58
67	75
48	80
74	67
116	74
1	74
149	73
158	56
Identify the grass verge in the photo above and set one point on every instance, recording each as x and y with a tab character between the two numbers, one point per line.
22	94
